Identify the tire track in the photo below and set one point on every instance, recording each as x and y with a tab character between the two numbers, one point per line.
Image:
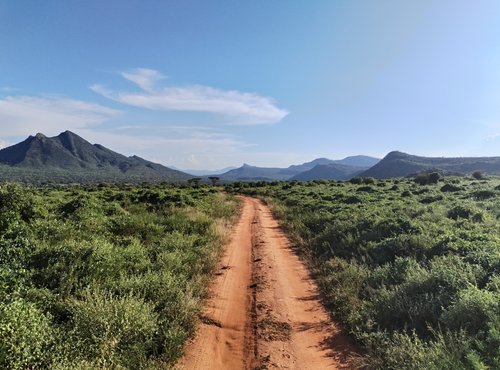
264	311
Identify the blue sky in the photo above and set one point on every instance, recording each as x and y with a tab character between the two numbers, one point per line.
210	83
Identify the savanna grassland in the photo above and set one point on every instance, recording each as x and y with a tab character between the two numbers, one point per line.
104	277
410	267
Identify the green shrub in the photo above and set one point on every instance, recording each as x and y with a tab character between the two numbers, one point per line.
427	178
26	336
116	331
473	310
450	188
484	194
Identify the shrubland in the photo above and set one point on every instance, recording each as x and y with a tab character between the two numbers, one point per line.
104	277
411	267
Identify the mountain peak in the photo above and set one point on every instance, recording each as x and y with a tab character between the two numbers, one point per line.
67	133
396	154
76	158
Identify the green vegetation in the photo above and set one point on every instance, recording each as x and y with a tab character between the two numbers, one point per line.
104	277
411	268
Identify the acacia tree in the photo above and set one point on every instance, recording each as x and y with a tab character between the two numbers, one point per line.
478	175
214	180
194	181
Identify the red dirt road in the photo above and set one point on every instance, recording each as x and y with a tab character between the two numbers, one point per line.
264	311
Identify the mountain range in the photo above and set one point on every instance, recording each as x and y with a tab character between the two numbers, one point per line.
68	158
320	168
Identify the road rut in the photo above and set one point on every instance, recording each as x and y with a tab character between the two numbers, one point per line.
265	311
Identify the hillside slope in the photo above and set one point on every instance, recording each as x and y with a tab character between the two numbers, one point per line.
70	158
398	164
330	171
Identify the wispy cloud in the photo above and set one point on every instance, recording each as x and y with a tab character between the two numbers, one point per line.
23	115
180	146
145	78
241	107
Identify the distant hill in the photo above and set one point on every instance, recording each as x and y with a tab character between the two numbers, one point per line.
398	164
69	158
335	169
298	168
356	161
253	173
332	171
359	161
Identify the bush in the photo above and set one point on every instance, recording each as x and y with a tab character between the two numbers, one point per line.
484	194
116	331
427	178
473	310
450	188
462	212
403	351
26	336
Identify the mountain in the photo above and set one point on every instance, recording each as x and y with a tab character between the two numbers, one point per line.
362	161
359	161
70	158
253	173
332	171
298	168
398	164
326	169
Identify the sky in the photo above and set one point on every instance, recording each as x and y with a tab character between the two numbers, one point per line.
208	84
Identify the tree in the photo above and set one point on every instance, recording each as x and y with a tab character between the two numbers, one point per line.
214	180
194	181
478	175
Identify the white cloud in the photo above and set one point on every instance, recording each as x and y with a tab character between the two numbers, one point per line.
145	78
23	115
182	147
242	107
4	144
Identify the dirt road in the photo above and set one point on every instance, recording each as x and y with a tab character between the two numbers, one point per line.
264	311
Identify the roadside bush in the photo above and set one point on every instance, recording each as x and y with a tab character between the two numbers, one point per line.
116	331
402	351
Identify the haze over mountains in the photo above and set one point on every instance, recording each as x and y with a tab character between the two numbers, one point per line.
68	158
